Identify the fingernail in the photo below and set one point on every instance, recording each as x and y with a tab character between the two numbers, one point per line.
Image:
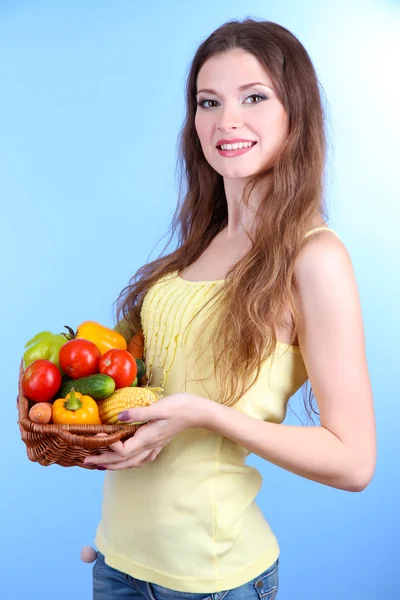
101	468
124	416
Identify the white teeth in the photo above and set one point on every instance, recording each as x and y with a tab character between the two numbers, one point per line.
237	145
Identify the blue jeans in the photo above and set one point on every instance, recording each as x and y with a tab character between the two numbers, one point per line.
110	584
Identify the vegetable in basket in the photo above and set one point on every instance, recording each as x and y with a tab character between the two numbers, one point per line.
104	338
80	358
120	365
126	398
141	368
76	409
41	412
96	386
136	345
45	345
41	381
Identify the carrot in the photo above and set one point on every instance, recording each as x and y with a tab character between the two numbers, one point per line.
136	345
41	412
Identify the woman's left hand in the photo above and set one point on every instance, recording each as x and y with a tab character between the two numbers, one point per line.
166	418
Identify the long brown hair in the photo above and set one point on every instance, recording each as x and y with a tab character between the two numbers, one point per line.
259	287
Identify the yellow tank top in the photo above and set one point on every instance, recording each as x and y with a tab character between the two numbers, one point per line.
189	520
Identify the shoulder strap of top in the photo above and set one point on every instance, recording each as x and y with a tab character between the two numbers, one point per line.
310	231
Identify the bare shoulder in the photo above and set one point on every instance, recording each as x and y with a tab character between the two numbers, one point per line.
324	280
323	250
332	342
327	297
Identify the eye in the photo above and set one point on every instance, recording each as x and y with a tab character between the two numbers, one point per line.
257	96
201	103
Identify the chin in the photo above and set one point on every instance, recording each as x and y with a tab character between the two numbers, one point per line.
237	173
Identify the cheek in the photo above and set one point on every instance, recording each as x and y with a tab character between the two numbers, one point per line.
274	129
203	132
284	126
200	126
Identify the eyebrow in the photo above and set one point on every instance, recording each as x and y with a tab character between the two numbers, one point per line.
242	88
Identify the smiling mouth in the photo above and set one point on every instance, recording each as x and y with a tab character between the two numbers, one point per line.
237	146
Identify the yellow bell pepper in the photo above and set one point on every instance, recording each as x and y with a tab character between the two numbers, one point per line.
104	337
76	409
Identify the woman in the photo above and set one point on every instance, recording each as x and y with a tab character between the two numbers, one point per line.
259	297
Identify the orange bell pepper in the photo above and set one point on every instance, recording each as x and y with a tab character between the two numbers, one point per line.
76	409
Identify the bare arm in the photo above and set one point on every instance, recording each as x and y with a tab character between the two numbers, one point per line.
342	451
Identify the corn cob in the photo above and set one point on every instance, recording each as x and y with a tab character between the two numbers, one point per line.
125	398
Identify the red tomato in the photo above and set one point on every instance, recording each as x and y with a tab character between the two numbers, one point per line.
120	365
41	381
79	358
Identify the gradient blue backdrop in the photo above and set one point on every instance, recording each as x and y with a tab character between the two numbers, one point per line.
90	107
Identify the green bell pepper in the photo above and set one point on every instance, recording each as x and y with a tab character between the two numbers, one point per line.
44	345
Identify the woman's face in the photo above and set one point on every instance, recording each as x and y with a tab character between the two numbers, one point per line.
230	109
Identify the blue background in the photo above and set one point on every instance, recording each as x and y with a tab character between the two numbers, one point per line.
90	108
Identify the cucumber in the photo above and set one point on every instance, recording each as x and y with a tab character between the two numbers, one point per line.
96	386
134	383
141	368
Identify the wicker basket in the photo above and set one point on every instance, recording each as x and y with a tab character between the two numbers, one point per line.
65	445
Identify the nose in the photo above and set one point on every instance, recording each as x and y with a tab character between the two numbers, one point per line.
229	117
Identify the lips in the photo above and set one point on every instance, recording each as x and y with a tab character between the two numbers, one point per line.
232	153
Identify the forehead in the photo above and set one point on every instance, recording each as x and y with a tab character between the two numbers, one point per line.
232	68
